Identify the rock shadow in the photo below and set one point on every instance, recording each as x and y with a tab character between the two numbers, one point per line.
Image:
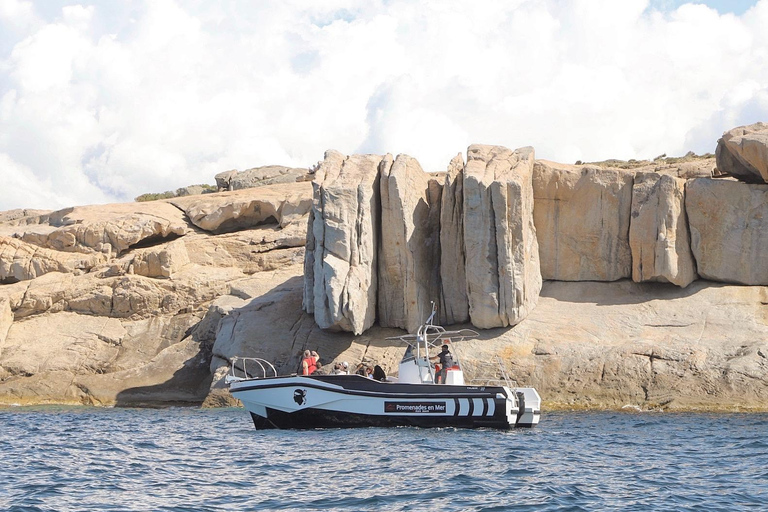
188	386
622	292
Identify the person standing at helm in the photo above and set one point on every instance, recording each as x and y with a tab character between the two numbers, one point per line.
446	361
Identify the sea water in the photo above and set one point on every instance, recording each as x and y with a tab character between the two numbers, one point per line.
62	459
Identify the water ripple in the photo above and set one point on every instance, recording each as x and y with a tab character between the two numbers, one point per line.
82	459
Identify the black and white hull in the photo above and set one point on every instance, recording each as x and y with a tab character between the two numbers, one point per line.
321	401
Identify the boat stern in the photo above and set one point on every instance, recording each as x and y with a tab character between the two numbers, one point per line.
529	407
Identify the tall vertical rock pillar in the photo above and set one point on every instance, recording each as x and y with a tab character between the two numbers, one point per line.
340	265
658	233
409	253
454	307
502	271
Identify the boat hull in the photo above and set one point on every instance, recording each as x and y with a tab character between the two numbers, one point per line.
333	401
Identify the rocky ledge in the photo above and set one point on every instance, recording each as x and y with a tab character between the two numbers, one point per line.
602	286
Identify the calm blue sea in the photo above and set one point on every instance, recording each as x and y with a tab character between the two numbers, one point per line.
62	459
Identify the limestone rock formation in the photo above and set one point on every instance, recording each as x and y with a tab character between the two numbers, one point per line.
150	303
503	277
582	218
585	345
658	234
11	220
729	230
643	345
108	229
232	211
20	261
743	153
268	175
223	179
409	253
340	269
254	250
122	322
454	305
162	262
6	319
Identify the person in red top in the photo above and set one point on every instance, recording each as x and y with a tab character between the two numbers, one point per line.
308	364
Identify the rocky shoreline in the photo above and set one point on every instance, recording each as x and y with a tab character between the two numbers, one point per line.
604	287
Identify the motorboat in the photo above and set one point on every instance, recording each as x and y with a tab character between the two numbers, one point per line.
412	398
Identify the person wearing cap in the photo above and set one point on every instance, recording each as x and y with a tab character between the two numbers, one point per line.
446	361
341	368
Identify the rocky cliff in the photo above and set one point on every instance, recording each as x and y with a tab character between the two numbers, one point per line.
602	285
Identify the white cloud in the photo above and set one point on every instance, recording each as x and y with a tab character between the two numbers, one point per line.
102	102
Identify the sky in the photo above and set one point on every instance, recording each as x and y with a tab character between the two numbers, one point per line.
105	100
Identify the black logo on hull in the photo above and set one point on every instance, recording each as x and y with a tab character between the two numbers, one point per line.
300	396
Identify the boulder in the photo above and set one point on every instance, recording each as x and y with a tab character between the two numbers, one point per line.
223	179
409	253
109	229
243	209
160	261
342	242
582	218
658	234
503	279
729	230
454	305
743	153
191	190
268	175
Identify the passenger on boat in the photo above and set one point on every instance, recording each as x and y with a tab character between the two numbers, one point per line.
341	368
379	374
365	370
308	363
446	361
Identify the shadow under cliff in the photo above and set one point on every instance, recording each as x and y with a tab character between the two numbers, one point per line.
622	292
188	386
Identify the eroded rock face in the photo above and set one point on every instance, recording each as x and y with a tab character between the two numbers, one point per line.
233	211
20	261
223	179
743	153
454	307
729	230
121	321
341	259
160	262
6	319
409	254
108	229
254	250
658	234
582	218
267	175
503	278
